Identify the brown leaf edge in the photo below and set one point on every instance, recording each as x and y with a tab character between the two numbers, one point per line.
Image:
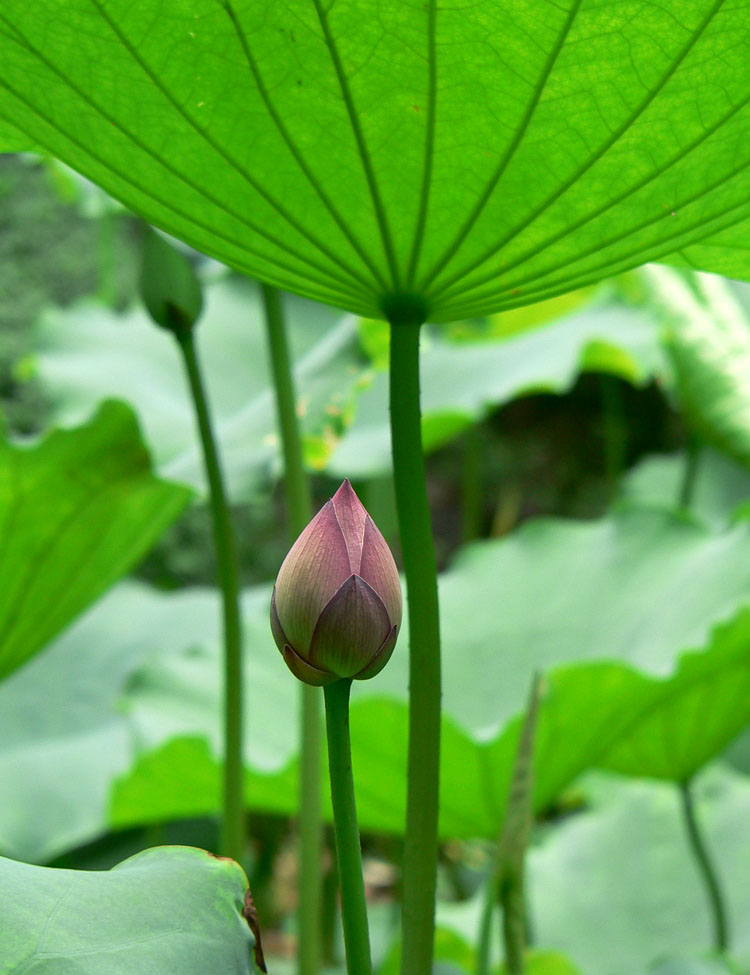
250	914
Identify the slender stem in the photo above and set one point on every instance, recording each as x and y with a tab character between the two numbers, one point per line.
232	826
706	868
299	511
348	851
484	944
421	842
471	485
506	879
295	479
690	474
506	884
613	422
514	923
698	845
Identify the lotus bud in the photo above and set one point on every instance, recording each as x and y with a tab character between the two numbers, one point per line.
336	605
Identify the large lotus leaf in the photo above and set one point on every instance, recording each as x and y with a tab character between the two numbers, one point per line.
693	719
474	156
143	742
461	382
67	731
168	909
709	342
693	966
616	887
77	509
720	487
87	352
455	954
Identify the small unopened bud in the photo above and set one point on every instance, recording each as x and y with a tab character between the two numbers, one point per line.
169	287
336	605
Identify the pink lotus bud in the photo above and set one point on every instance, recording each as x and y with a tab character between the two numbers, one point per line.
336	605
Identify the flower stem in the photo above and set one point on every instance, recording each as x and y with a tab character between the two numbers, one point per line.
689	474
232	826
299	511
706	868
421	844
348	851
506	880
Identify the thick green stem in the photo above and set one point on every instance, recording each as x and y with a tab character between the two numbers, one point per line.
299	511
706	868
232	826
421	843
348	851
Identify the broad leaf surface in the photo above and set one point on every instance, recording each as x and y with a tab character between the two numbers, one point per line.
476	156
168	909
144	740
616	887
692	966
86	352
77	509
721	485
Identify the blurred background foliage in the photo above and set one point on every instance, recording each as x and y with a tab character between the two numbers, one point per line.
566	443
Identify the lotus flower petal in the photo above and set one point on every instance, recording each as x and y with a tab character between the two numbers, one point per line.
351	515
379	570
351	629
313	571
304	671
381	657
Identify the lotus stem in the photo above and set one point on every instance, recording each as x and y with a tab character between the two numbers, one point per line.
232	842
421	841
348	850
299	511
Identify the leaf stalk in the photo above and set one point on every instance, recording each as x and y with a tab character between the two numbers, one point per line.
232	842
299	512
421	845
348	850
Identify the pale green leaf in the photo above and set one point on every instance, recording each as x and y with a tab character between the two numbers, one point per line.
616	887
77	509
86	352
144	742
461	382
171	909
473	157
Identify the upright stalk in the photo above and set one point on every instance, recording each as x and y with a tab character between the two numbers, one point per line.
348	851
706	868
690	474
471	485
421	841
299	511
232	825
506	879
698	845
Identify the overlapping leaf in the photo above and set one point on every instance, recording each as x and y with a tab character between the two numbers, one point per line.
460	383
474	156
144	741
626	864
167	909
87	352
76	511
